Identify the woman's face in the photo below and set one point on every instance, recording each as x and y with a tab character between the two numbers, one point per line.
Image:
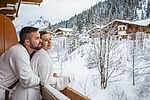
46	42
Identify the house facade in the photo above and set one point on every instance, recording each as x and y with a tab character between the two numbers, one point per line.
63	32
124	29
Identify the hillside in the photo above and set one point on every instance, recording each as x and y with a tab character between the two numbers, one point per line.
104	12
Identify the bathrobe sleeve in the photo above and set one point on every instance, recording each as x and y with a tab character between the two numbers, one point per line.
20	62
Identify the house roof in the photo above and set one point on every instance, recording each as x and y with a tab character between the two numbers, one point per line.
10	8
64	29
51	33
138	23
143	22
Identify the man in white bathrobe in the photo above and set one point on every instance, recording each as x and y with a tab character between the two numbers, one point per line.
15	63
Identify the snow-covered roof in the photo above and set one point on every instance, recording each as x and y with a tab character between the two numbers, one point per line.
139	23
123	21
98	26
143	22
51	33
126	21
65	29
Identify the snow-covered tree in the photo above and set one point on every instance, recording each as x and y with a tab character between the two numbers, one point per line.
148	10
102	56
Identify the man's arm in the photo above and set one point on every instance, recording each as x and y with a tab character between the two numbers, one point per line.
22	68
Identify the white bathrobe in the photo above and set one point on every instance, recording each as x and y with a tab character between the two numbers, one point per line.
14	65
42	66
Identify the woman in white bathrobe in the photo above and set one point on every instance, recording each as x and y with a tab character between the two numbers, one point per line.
42	66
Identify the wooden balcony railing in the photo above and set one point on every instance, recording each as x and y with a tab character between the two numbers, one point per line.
50	93
73	94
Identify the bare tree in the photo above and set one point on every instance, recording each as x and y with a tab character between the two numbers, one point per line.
99	57
105	47
118	94
133	55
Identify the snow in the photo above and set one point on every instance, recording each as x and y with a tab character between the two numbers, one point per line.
143	22
56	93
40	23
65	29
139	23
87	81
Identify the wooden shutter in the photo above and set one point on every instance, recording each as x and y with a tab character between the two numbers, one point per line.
8	35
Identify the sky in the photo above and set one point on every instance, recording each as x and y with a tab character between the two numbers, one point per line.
52	10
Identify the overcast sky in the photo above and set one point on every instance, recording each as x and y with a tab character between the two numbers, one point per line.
53	10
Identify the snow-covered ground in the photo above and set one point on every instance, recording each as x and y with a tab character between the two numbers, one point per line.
87	81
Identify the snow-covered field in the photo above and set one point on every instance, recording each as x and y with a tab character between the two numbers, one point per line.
88	82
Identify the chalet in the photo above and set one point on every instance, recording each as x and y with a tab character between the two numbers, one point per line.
94	32
64	32
124	29
51	33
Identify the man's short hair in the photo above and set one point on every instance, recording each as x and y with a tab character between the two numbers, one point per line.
25	33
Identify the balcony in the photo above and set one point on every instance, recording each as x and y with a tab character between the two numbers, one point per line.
50	93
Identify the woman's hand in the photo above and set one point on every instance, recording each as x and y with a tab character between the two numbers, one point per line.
69	79
55	75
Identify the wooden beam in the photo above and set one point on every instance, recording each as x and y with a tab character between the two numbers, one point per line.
3	5
8	1
2	2
18	8
11	17
32	1
7	11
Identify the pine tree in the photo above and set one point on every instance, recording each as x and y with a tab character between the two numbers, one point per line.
148	10
142	15
136	15
49	27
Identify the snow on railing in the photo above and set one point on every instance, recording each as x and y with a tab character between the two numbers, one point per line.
56	93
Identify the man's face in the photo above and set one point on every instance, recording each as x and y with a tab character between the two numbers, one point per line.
35	41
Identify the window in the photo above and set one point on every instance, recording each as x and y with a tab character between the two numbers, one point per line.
120	28
124	28
149	26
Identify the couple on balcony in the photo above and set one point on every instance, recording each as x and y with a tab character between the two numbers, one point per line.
27	65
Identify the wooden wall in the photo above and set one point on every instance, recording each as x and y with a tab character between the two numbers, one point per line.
8	35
